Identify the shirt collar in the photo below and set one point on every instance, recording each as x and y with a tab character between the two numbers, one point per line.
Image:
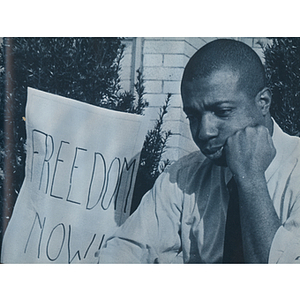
284	145
276	137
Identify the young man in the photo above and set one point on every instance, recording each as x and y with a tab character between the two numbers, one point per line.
242	203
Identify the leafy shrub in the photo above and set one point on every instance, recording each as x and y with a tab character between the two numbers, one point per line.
282	61
151	164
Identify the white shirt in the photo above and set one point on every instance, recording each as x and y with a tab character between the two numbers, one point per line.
182	219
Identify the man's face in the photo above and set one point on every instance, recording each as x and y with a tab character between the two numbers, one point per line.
216	109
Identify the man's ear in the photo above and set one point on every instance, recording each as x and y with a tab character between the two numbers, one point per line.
263	99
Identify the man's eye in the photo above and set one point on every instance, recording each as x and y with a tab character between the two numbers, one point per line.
222	113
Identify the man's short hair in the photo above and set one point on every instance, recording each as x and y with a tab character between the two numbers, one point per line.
232	54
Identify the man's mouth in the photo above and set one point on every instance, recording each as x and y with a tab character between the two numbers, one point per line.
213	153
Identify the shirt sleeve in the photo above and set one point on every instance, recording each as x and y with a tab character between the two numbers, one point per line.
152	233
285	248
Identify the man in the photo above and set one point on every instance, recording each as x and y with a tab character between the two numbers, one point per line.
242	203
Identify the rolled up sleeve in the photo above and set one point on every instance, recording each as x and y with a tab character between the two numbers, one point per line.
285	248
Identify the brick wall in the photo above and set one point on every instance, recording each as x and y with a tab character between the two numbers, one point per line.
162	61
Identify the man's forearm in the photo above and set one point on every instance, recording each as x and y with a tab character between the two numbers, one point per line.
259	220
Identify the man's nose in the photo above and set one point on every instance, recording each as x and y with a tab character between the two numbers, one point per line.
207	127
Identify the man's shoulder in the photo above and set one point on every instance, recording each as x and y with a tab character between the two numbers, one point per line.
287	160
289	146
290	169
293	155
286	144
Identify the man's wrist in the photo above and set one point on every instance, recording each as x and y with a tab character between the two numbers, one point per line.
249	179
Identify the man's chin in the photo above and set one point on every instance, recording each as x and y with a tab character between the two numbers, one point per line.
219	160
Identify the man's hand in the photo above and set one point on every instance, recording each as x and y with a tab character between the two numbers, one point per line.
249	152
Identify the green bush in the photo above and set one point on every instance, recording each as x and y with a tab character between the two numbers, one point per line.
151	163
282	61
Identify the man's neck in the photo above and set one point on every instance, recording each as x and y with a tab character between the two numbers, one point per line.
270	124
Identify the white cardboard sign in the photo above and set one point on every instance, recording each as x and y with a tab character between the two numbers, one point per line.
81	166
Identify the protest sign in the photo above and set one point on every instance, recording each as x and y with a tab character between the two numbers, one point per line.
80	172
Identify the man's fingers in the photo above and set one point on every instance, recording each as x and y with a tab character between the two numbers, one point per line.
250	149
